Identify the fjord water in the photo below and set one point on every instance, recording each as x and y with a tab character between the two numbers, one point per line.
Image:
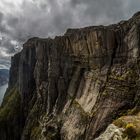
2	92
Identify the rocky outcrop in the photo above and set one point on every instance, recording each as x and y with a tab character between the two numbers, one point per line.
124	128
112	133
72	87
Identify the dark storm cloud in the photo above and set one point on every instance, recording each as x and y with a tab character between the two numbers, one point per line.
4	63
52	17
1	16
2	26
45	18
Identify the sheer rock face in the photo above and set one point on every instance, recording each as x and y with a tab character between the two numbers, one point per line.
73	86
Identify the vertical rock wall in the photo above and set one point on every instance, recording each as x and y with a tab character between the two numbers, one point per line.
72	87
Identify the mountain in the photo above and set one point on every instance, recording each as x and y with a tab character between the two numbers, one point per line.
4	76
84	85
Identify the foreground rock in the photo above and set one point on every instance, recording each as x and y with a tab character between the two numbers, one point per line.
112	133
72	87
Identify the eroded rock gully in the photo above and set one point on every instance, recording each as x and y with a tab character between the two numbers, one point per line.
72	87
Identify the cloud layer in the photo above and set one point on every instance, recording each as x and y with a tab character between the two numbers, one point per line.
22	19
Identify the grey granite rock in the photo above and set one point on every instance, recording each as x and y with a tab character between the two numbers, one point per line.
79	82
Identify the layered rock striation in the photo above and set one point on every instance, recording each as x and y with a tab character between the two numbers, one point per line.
72	87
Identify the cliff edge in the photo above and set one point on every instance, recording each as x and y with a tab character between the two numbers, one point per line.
74	86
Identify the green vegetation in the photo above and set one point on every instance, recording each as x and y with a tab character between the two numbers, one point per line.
35	133
129	74
75	104
33	128
130	131
10	115
131	125
133	111
120	123
11	105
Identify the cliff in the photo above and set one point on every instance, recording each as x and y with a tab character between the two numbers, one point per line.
74	86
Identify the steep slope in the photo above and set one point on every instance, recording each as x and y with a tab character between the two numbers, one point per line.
72	87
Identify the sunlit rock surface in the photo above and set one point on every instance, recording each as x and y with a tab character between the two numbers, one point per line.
112	133
72	87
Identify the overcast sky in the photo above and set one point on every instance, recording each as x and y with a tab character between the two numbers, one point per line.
22	19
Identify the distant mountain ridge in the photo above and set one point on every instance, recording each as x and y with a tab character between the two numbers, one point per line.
4	76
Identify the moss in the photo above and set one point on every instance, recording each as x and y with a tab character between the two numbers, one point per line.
130	123
137	138
77	105
120	123
10	122
105	93
128	75
130	131
33	128
133	111
36	132
11	106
